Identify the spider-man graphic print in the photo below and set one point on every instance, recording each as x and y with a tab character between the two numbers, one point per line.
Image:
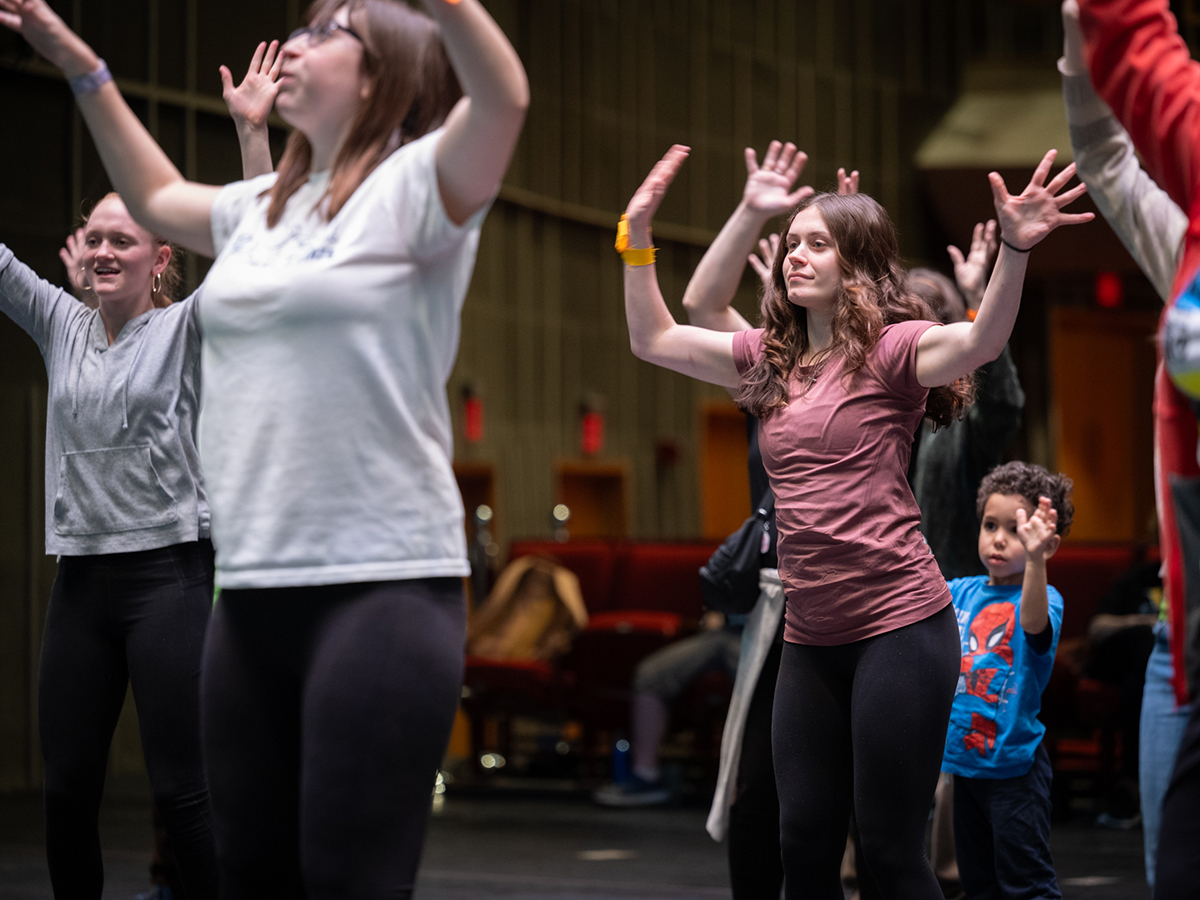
994	730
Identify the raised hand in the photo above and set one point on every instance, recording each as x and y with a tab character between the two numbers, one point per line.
767	247
72	257
847	184
649	196
48	34
251	101
34	20
1038	533
971	271
1025	219
768	188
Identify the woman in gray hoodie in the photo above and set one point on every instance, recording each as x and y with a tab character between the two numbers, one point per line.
127	515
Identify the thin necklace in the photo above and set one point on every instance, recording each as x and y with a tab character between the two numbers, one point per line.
812	376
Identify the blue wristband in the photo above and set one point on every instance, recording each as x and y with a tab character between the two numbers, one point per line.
91	82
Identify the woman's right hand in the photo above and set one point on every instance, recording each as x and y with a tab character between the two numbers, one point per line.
250	103
49	35
649	196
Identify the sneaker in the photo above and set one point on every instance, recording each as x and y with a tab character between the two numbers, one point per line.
633	792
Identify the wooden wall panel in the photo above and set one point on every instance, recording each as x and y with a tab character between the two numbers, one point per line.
613	85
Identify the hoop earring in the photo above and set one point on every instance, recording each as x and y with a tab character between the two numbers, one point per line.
83	282
156	284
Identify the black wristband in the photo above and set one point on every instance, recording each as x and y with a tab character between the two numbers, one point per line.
1013	246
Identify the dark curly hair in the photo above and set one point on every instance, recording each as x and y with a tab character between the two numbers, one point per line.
874	293
1030	481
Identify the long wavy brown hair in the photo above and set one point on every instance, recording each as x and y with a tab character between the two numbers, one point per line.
874	293
412	90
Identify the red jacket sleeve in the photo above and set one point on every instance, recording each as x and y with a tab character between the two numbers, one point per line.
1142	69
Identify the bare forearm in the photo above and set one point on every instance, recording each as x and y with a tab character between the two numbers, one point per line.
255	144
1035	605
155	192
646	311
709	294
486	64
997	313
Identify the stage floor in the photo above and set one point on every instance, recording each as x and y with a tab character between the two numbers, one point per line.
536	846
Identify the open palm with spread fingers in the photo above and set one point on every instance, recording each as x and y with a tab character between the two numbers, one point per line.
1026	218
253	99
769	186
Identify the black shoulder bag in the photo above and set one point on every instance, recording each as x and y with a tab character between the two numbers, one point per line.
729	581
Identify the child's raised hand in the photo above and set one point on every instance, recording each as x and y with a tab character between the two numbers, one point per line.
251	101
1038	533
847	184
769	187
1025	219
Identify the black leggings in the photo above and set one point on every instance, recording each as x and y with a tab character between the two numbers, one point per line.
1177	873
755	866
116	619
863	724
326	712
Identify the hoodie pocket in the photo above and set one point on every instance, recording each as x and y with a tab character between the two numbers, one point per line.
112	490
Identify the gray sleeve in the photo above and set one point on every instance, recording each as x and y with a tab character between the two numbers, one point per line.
1146	220
38	307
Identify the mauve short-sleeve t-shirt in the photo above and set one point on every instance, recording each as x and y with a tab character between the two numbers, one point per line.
851	556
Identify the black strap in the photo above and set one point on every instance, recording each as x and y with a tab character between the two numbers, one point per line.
766	504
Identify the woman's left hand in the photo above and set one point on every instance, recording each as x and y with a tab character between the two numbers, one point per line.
1025	219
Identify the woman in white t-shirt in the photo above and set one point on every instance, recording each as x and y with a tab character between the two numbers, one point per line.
330	319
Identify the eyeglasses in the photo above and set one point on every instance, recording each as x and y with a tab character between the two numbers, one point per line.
323	31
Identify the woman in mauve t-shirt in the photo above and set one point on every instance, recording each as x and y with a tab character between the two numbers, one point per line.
841	374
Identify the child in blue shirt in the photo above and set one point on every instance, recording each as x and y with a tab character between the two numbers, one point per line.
1010	621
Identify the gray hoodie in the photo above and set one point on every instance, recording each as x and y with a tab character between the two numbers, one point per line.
122	471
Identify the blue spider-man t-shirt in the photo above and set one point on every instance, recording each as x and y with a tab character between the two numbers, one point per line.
994	730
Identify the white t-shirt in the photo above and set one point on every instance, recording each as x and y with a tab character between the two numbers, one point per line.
325	432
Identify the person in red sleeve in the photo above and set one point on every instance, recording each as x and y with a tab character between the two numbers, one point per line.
1142	69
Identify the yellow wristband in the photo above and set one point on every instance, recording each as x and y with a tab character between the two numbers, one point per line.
643	256
633	256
